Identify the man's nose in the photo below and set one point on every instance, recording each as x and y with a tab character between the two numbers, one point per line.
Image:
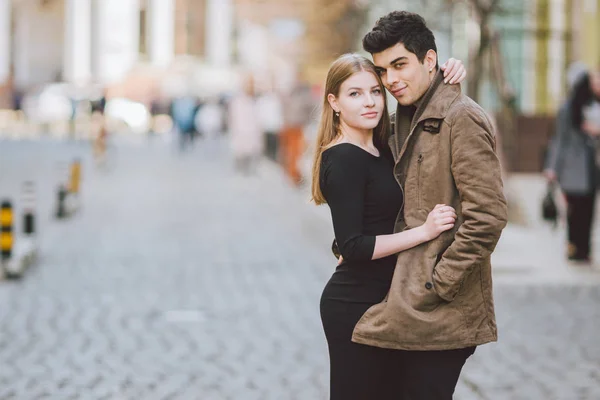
391	78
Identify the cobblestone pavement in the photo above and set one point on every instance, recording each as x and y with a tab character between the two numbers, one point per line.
179	279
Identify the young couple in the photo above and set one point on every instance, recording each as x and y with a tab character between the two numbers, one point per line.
417	207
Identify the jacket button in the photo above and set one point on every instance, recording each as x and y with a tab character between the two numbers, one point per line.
428	285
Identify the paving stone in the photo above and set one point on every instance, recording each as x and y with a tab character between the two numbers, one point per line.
179	279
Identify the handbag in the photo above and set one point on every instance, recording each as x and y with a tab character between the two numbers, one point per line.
549	208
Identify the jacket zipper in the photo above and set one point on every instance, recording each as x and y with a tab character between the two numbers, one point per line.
396	177
419	162
401	212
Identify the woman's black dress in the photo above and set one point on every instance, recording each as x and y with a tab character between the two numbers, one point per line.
365	200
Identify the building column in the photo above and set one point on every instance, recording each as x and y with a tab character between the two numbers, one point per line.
116	38
591	32
219	32
160	31
557	45
543	28
5	39
77	64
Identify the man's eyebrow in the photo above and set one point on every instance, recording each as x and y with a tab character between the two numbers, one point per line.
401	58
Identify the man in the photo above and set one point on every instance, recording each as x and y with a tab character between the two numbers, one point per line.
440	304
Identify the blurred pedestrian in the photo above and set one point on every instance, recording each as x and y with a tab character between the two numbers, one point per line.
270	113
245	132
100	143
298	106
183	113
572	160
209	119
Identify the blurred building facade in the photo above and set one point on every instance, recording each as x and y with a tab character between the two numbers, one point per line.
103	41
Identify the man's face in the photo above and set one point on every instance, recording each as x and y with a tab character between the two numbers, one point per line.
403	75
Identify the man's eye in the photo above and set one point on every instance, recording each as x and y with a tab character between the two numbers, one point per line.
381	72
399	65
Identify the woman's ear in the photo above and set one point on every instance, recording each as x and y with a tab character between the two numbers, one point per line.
431	60
333	102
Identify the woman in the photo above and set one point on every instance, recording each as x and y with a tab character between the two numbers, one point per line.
353	174
244	130
572	161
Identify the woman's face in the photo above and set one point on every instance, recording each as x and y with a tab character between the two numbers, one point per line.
360	101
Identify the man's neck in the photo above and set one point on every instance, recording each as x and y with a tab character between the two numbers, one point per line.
432	75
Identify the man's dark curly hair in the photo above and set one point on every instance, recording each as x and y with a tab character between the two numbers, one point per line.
400	27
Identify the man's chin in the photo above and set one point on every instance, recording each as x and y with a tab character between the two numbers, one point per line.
403	101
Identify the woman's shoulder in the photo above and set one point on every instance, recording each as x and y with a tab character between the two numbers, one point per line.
347	152
345	160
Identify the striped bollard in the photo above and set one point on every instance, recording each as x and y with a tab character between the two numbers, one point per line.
6	231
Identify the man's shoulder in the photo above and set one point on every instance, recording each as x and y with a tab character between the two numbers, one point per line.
465	108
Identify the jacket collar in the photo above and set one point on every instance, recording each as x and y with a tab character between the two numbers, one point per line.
435	102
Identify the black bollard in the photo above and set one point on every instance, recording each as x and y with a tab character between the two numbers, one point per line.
61	211
29	208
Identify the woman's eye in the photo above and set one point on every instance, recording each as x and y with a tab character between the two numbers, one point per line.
353	94
377	91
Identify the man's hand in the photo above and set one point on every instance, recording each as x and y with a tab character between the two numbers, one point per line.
454	71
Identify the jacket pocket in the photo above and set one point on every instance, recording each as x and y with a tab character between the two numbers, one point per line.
425	296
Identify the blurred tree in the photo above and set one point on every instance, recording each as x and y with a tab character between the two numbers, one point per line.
487	46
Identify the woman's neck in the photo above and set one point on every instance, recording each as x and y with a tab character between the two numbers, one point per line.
359	137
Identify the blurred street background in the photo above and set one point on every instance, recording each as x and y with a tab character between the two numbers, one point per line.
163	148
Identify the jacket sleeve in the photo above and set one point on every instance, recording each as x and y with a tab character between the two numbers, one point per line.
555	151
477	175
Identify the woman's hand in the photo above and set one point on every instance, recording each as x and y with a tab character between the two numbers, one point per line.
439	220
454	71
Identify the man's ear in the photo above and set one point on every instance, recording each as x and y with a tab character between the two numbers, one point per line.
430	60
333	102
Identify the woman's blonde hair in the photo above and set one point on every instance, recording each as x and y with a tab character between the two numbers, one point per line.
329	125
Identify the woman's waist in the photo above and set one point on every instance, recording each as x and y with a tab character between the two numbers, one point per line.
380	270
348	285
